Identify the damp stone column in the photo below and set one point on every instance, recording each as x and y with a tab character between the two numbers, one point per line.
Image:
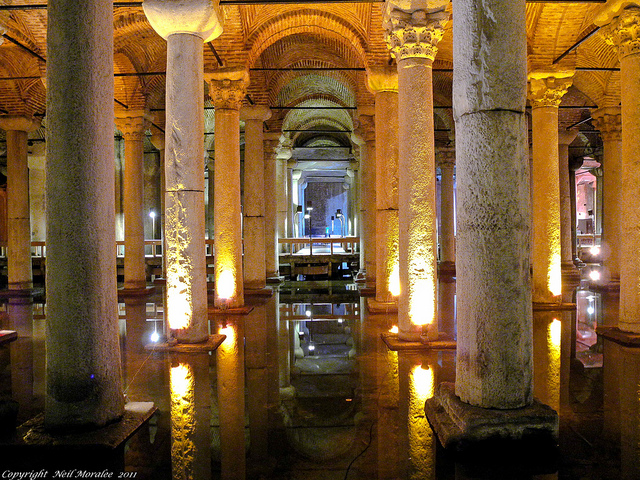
546	90
83	373
412	35
608	121
446	158
227	89
383	82
254	199
271	141
494	357
133	124
570	274
621	27
186	26
17	129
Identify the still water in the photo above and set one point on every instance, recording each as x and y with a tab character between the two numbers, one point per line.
304	388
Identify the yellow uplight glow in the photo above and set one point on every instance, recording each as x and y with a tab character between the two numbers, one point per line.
226	284
422	383
394	329
555	329
182	421
422	302
555	275
179	270
394	281
553	374
421	438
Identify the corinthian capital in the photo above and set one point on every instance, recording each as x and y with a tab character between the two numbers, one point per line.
414	28
133	124
546	89
227	87
623	31
609	121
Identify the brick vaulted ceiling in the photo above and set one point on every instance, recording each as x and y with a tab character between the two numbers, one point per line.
334	42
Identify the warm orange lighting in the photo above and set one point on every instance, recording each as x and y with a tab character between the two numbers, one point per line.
226	284
183	421
229	331
422	301
554	336
421	438
422	383
394	329
555	274
394	281
555	329
179	270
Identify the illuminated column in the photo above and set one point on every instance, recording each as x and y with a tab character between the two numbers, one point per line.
227	89
254	224
446	162
383	82
36	193
18	216
545	93
570	273
83	373
185	26
157	139
282	157
366	121
271	141
623	30
296	219
608	121
133	124
412	36
492	261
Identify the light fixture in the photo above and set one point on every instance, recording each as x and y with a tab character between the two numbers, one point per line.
340	216
311	347
309	206
155	337
595	250
594	275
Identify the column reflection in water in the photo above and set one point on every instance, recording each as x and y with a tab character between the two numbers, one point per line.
388	434
20	312
447	305
230	383
547	329
273	319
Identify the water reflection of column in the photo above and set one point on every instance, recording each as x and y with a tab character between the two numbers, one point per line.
190	417
388	434
447	305
546	358
20	312
257	382
284	355
272	320
230	381
630	413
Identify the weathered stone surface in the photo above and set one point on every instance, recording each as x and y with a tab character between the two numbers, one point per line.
202	18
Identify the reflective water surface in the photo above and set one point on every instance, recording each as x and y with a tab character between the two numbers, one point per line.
304	388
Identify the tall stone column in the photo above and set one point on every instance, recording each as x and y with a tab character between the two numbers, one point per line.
133	124
254	202
282	193
622	28
570	274
546	90
383	82
366	119
295	201
18	215
412	35
158	140
608	120
446	161
227	89
271	141
185	26
83	373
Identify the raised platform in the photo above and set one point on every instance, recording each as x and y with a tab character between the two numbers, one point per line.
365	291
7	336
461	426
375	306
136	292
210	345
553	307
393	343
230	311
614	334
258	292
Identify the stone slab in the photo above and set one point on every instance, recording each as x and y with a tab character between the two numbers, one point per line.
258	292
553	307
367	291
278	279
210	345
375	306
136	292
614	334
7	336
17	293
230	311
393	343
461	426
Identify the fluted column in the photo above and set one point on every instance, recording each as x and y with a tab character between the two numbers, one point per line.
413	35
18	215
570	273
366	119
383	82
185	26
133	124
622	28
546	90
446	158
83	372
227	89
608	120
254	201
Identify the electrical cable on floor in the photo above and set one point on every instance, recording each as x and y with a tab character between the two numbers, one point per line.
138	371
346	474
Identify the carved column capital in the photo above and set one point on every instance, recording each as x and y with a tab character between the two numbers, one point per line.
227	87
20	123
382	79
609	121
623	31
546	89
132	124
446	157
414	32
366	125
255	112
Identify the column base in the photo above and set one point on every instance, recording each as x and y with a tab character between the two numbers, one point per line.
553	306
375	306
257	292
394	343
570	274
136	292
210	345
610	286
275	278
447	268
621	337
17	293
7	336
245	310
367	291
462	427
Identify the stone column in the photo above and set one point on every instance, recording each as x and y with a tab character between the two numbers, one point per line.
282	157
608	121
366	119
185	26
271	141
18	217
446	162
227	89
545	93
295	201
133	124
254	202
383	82
622	28
570	274
84	379
158	141
413	34
36	193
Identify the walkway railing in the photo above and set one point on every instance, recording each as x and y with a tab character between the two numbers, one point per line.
319	246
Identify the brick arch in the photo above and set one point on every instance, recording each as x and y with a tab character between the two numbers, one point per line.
128	90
